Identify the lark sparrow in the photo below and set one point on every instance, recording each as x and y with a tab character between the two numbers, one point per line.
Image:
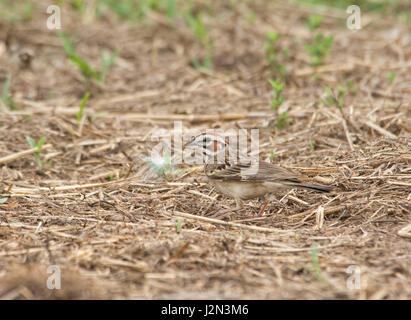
236	179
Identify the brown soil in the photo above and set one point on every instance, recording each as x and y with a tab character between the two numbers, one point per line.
97	211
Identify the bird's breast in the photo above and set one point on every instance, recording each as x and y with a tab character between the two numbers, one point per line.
240	189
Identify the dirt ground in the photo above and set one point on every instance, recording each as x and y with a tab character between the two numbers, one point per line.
115	229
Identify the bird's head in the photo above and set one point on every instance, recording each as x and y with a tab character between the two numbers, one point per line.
210	143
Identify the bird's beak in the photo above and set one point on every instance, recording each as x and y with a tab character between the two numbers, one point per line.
189	145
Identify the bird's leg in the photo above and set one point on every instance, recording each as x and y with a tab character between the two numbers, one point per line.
268	197
221	214
260	214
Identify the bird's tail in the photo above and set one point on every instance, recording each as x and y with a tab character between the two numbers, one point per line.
314	186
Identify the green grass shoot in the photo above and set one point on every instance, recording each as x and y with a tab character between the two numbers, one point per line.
39	146
316	269
79	114
319	49
5	97
179	225
201	31
313	21
282	120
391	77
274	54
277	99
312	147
86	70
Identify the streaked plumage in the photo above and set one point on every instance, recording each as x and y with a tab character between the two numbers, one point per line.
233	179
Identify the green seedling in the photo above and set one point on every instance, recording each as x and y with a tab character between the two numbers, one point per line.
312	147
125	9
320	49
380	6
316	269
171	9
79	5
313	21
39	146
16	11
283	120
137	10
391	77
350	85
251	16
86	70
6	97
201	31
107	60
272	155
79	114
277	99
271	48
335	99
163	166
274	54
179	225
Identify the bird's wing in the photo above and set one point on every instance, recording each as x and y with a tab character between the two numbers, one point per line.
246	172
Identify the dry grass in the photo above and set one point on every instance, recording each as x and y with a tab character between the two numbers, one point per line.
94	211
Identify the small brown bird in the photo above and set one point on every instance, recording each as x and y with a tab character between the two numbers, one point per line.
238	180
